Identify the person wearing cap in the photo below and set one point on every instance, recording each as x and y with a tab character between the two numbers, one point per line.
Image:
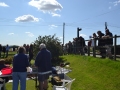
108	42
43	63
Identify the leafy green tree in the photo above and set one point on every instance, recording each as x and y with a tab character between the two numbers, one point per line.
52	43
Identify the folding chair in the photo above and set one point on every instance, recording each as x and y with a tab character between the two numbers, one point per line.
3	85
65	86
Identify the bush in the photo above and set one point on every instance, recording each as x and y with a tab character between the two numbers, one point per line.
52	43
9	60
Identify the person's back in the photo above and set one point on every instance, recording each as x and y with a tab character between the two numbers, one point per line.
0	47
20	62
109	40
20	65
101	42
43	62
4	49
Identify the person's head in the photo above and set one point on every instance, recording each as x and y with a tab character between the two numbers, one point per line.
21	49
24	45
94	35
99	32
42	45
31	45
107	31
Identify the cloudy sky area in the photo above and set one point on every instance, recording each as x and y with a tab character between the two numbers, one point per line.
22	21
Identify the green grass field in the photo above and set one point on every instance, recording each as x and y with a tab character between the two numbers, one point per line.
90	74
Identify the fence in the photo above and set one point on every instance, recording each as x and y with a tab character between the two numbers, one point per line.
114	48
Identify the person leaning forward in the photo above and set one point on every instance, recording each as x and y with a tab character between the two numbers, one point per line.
43	63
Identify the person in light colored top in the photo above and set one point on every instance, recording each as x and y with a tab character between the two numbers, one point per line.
93	40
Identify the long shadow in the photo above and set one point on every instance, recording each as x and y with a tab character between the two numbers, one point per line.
58	61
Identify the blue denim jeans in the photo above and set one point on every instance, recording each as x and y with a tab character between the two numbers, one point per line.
19	76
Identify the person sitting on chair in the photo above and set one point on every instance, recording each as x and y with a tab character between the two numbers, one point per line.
2	79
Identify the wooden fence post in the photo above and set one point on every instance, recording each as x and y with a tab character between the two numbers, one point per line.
115	42
88	51
94	50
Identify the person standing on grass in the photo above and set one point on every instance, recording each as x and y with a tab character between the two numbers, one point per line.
20	65
101	43
4	51
30	53
108	43
0	50
43	63
7	50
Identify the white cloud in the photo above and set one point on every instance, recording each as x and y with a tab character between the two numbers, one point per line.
52	26
83	35
55	15
30	34
49	6
26	18
116	2
2	4
10	33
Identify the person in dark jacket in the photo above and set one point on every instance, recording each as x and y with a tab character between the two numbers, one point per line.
108	42
20	64
4	51
101	43
43	62
0	49
30	53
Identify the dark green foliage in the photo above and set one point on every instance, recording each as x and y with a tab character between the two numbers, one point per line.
52	43
9	60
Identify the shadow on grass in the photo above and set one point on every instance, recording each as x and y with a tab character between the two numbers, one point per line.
59	61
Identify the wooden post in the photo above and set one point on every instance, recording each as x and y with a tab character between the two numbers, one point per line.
88	51
115	40
94	51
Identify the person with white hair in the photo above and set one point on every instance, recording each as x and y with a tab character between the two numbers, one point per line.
43	63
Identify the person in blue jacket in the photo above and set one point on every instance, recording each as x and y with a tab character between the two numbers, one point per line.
43	63
20	64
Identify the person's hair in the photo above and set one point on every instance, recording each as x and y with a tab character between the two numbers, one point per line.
99	32
42	45
2	61
107	30
31	45
21	49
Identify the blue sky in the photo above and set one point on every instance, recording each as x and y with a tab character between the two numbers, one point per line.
22	21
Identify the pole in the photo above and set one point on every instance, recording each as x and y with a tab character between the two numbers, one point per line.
106	25
63	33
78	29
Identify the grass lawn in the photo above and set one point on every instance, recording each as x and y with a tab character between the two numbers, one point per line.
94	73
90	74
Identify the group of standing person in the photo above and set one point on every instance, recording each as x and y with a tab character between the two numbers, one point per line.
29	51
105	43
77	46
21	64
5	50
